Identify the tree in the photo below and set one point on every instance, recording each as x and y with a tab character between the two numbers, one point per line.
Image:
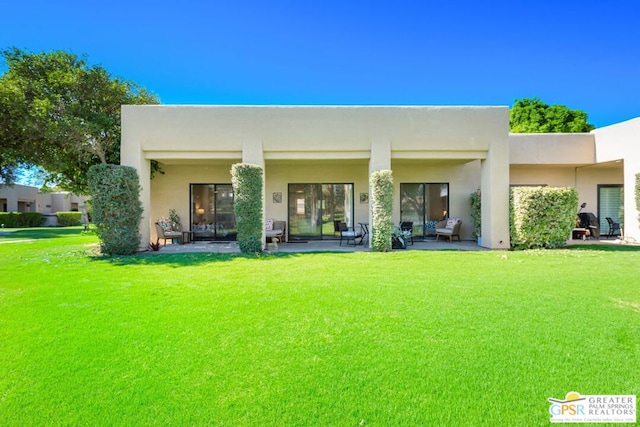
10	107
61	114
530	115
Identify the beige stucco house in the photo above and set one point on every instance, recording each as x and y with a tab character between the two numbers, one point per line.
317	161
18	198
25	198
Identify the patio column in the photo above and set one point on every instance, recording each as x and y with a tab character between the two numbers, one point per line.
631	225
137	160
380	159
252	153
495	195
132	154
12	198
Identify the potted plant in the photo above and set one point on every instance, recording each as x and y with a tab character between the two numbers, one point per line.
476	217
399	237
174	219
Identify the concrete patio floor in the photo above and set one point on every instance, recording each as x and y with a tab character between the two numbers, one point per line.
334	246
314	246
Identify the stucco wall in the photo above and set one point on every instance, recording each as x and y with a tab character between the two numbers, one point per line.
197	130
542	175
279	175
585	179
619	141
171	189
19	198
622	142
289	140
552	149
463	179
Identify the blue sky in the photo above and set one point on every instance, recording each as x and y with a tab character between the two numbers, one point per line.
581	53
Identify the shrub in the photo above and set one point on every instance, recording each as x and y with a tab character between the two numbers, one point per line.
476	213
542	217
22	219
66	219
117	210
381	210
247	183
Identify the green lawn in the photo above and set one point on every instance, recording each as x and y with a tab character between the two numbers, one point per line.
346	339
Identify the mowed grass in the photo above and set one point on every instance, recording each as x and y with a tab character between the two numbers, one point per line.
402	338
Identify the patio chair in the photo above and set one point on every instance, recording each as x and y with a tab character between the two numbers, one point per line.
278	229
167	234
349	234
407	226
613	227
336	226
449	228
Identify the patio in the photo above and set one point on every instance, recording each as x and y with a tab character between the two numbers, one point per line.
313	246
333	246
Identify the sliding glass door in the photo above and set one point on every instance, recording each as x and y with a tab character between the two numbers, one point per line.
610	204
313	208
212	216
423	204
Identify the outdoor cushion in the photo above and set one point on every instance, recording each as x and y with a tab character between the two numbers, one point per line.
268	224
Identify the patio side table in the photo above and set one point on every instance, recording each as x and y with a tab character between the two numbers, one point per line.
187	236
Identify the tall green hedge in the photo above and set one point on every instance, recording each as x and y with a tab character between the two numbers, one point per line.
542	217
247	183
117	211
22	219
381	210
66	219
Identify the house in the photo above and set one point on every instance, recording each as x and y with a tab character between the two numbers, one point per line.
317	161
18	198
25	198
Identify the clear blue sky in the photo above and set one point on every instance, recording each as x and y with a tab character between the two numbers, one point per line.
584	54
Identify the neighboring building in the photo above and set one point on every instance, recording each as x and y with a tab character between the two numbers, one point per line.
18	198
317	162
24	198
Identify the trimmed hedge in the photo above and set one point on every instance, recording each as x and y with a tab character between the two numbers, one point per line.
22	219
66	219
542	217
476	213
381	210
117	211
247	183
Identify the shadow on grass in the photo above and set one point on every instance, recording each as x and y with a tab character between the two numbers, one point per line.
197	258
37	233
